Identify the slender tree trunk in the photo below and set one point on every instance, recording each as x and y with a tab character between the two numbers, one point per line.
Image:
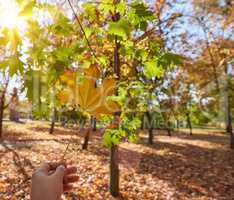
94	124
86	140
39	94
151	136
114	171
87	135
2	106
53	121
229	128
52	126
168	128
177	125
232	140
189	124
2	99
150	129
169	131
114	162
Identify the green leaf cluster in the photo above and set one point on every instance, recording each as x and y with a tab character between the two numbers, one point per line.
120	28
139	15
62	26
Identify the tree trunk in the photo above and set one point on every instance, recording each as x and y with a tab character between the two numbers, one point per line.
189	124
142	123
2	106
177	125
114	171
150	129
114	162
94	124
14	106
228	111
2	98
86	140
169	132
53	121
232	140
52	126
229	125
229	128
151	136
168	128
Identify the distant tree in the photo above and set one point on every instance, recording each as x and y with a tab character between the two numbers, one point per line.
3	105
10	62
14	106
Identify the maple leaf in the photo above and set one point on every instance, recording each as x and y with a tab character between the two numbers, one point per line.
64	96
87	94
68	77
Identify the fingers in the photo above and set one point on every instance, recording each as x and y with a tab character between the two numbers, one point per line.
67	188
54	165
71	170
59	173
44	168
47	167
70	179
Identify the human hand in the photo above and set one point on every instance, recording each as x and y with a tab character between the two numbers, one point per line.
50	180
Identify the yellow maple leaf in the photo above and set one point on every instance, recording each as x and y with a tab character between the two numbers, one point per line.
64	96
92	71
91	97
68	77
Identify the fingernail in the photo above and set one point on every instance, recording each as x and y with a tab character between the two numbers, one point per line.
61	167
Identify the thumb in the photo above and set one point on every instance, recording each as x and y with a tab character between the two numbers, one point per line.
59	172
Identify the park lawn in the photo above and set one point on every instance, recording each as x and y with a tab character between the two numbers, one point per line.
179	167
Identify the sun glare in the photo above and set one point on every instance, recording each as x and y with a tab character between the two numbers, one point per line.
9	15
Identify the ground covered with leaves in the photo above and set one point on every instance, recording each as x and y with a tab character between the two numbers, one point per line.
182	167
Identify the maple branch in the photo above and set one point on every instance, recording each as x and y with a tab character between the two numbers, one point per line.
83	31
144	35
66	150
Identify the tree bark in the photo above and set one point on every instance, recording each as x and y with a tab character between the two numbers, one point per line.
150	129
53	121
229	126
14	106
168	128
114	162
177	125
2	106
52	127
228	120
151	136
189	124
142	123
86	140
114	171
94	123
169	131
2	99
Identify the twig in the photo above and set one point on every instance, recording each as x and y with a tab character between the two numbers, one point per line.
83	32
66	149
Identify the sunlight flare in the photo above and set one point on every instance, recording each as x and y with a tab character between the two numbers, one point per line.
9	15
